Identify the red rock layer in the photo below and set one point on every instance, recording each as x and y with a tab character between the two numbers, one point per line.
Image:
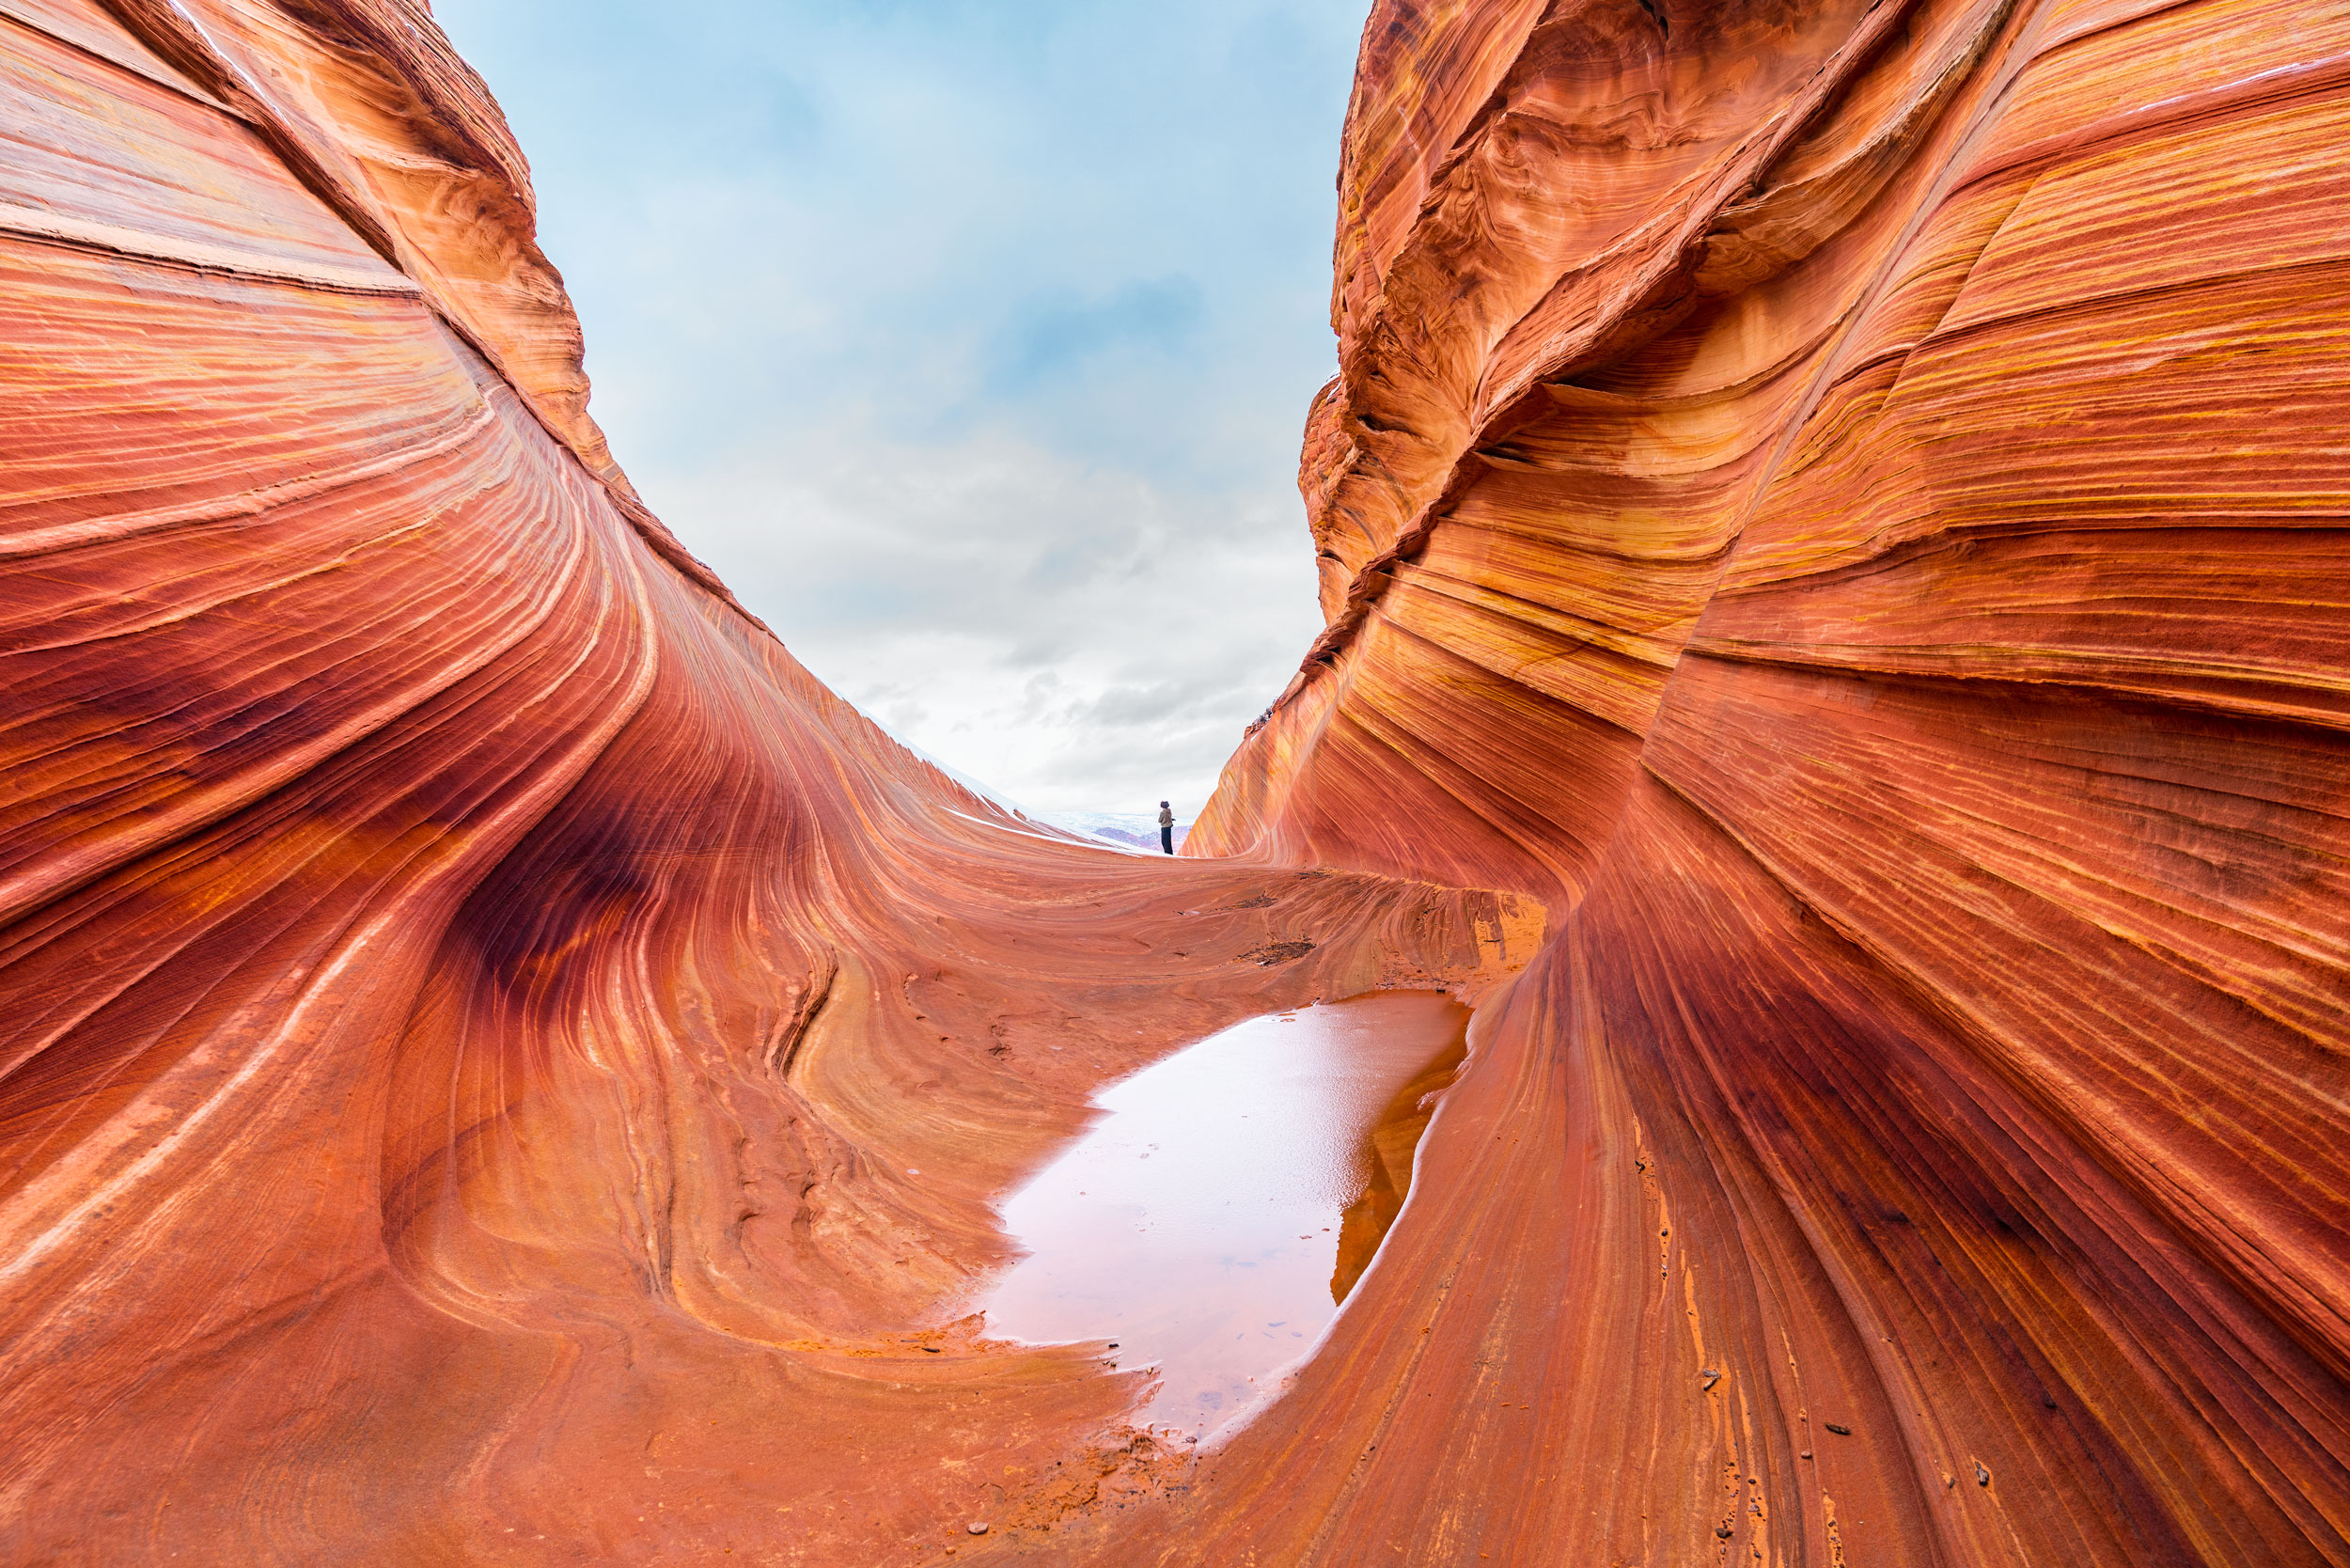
1842	505
496	1064
1849	504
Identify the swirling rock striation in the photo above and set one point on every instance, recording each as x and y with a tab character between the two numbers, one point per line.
1836	510
498	1064
1847	503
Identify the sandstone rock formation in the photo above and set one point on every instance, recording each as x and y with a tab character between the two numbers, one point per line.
473	1006
1836	509
1845	502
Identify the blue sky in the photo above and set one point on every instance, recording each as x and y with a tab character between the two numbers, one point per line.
968	342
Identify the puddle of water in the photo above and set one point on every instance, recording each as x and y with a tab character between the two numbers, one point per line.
1210	1223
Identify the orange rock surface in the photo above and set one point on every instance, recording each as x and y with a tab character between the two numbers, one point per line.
1833	514
1846	503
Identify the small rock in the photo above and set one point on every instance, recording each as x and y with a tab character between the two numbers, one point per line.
1709	1377
977	1527
1722	1534
1839	1431
1983	1477
1807	1454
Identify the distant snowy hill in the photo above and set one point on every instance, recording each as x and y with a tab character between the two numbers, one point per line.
1126	829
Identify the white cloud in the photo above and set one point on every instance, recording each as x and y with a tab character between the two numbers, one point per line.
968	340
1074	637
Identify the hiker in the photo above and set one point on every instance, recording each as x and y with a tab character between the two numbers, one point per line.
1166	828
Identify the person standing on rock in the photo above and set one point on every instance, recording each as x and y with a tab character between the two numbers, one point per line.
1166	828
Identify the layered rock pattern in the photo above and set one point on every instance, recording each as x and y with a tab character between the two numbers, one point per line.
1846	502
496	1064
1839	508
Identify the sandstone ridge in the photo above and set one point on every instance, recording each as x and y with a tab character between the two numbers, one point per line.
1831	520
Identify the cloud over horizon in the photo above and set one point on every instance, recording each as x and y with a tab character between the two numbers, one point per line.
969	342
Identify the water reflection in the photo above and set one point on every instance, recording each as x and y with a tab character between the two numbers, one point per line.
1210	1222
